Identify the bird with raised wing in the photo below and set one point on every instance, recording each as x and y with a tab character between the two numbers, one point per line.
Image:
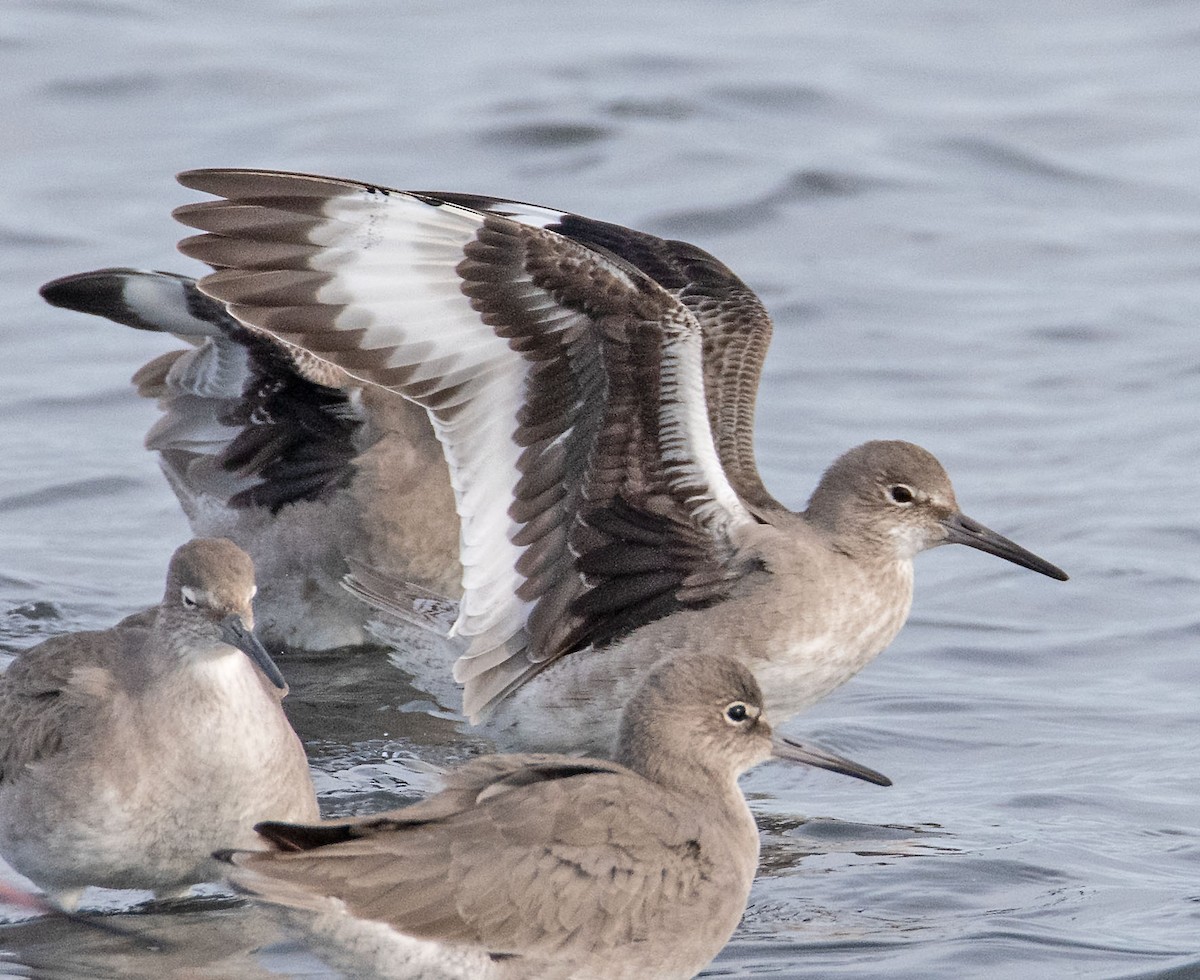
551	866
288	457
128	755
593	391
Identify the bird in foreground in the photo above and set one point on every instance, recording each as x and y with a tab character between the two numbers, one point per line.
553	866
297	463
128	755
593	392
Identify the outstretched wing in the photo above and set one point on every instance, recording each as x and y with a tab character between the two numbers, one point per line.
246	421
735	325
566	388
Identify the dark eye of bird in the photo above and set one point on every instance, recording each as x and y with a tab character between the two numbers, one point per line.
902	494
736	712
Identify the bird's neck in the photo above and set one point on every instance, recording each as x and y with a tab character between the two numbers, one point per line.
684	774
197	666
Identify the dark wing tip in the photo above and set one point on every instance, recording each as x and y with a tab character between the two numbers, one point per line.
102	292
65	290
83	291
302	836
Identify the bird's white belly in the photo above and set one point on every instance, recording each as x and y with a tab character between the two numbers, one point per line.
575	704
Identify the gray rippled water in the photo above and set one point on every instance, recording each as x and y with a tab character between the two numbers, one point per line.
978	227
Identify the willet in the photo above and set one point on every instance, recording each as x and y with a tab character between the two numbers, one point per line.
286	456
602	462
550	865
593	390
128	755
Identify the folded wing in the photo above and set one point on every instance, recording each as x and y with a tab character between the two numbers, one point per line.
518	861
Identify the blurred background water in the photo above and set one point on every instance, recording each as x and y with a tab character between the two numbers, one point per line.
977	225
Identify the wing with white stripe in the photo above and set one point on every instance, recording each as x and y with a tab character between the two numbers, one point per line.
246	421
566	388
735	324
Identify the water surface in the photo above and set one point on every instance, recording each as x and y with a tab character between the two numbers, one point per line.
977	226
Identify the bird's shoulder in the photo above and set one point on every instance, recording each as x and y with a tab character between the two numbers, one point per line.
50	689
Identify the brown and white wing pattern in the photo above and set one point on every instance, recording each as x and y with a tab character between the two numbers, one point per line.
246	422
735	324
566	388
